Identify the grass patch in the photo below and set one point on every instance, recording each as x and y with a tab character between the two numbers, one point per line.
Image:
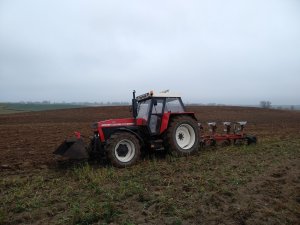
2	217
185	190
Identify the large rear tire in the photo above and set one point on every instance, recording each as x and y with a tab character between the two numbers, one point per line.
123	149
182	137
251	140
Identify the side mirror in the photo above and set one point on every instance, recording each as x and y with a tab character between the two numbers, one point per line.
154	102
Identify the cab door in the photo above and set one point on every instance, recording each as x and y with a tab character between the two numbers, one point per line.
156	115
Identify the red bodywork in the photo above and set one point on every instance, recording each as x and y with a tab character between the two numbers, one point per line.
166	118
127	122
209	139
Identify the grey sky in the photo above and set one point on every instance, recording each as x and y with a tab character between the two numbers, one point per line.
223	51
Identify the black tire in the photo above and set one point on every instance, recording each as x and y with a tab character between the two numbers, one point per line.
213	143
123	149
251	140
226	143
182	137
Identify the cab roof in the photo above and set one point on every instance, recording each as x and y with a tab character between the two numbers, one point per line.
162	94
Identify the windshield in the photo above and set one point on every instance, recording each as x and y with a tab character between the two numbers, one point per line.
143	109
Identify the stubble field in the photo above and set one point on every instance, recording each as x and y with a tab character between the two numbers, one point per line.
230	185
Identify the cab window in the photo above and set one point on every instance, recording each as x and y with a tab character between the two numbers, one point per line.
157	106
173	105
143	109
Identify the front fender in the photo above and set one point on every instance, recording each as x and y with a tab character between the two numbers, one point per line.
124	129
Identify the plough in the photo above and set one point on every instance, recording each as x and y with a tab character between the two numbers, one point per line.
233	134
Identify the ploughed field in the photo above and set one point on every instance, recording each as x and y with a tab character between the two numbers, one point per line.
230	185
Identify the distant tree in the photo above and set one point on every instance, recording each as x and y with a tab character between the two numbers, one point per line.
265	104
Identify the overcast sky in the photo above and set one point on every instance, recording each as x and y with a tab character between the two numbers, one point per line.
222	51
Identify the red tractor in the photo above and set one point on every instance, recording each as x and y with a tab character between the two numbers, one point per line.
159	121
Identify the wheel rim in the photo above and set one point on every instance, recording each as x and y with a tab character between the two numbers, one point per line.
185	136
125	150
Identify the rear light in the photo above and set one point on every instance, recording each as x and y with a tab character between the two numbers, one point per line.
77	134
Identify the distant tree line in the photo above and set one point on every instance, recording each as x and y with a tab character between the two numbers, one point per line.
268	105
46	102
265	104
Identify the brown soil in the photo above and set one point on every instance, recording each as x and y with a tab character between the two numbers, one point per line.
28	139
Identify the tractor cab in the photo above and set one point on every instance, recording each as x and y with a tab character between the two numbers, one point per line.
155	109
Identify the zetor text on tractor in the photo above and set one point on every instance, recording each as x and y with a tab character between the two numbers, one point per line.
159	121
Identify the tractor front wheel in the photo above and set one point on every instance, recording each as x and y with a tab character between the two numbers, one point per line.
182	136
123	149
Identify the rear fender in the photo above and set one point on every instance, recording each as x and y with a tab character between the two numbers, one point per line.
167	116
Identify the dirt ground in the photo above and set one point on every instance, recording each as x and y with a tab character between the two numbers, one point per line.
28	139
270	196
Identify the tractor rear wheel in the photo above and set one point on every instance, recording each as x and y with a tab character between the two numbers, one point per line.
182	137
123	149
251	140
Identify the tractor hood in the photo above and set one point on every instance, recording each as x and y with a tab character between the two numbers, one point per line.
122	122
115	123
